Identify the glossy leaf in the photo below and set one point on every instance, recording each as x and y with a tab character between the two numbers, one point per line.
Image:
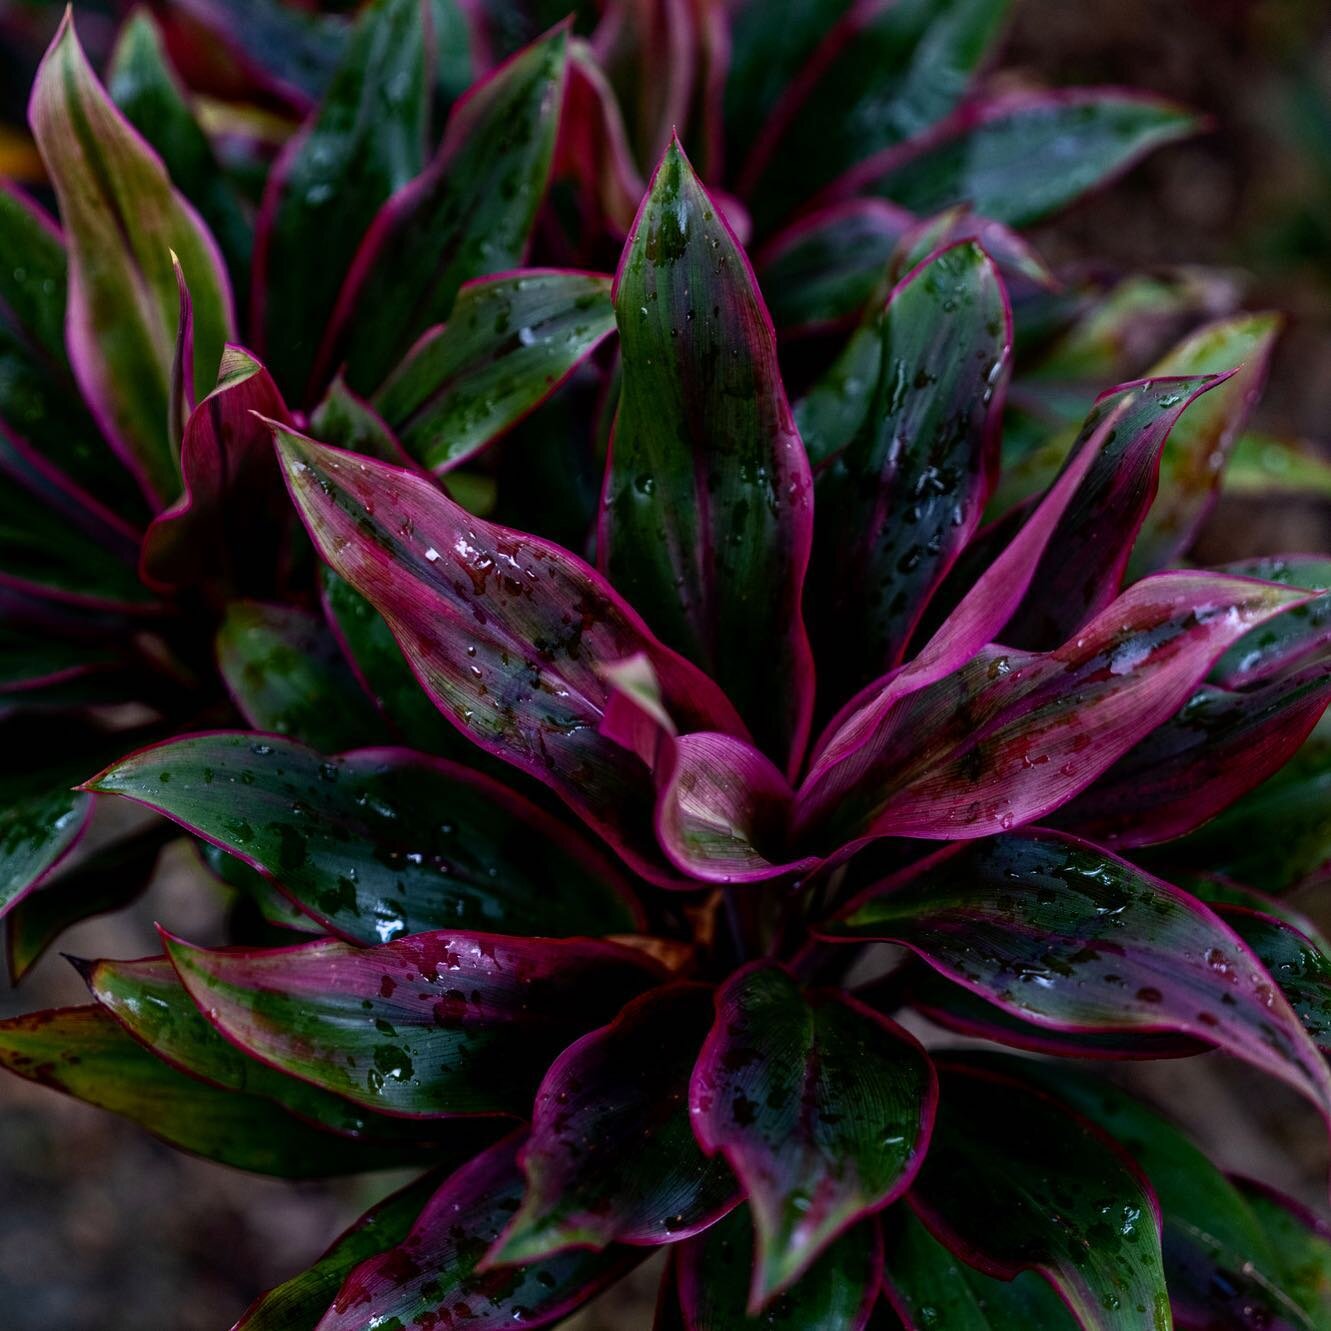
366	143
612	1157
123	219
286	674
836	1294
885	73
819	271
1016	158
467	214
1012	736
931	1287
1014	258
909	488
433	1275
505	631
1289	641
297	1304
381	842
821	1106
228	524
1018	1183
1065	935
708	505
85	1053
145	86
428	1026
510	341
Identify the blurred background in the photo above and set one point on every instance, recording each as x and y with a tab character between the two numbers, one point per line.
101	1227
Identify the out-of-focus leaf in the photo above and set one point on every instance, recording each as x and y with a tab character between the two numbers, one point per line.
821	1106
1015	1182
85	1052
365	144
708	513
1301	1242
887	73
1066	935
1011	736
286	674
1263	466
611	1156
838	1290
1022	155
1199	445
909	487
506	632
123	221
146	88
467	214
229	524
510	341
429	1026
381	842
432	1274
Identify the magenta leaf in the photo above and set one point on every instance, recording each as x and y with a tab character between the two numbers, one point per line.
612	1157
838	1291
822	1107
510	341
229	523
1015	1182
84	1052
1289	641
1010	736
432	1276
123	219
1014	257
428	1026
381	842
909	487
468	213
708	505
505	631
1065	935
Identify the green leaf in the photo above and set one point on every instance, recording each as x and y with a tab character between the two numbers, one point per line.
365	144
1261	466
123	220
510	341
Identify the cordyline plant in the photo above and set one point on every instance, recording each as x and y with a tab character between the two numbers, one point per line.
603	890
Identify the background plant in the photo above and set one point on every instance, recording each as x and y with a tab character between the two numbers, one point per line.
621	884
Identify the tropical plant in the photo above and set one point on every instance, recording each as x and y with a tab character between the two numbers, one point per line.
607	891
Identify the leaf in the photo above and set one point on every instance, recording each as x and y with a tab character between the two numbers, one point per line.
228	525
1019	156
84	1052
1198	447
350	422
510	341
837	1293
427	1026
1302	1245
1014	1182
1066	935
883	75
708	505
1011	736
1262	466
467	214
145	86
147	998
1019	264
930	1287
272	904
1289	641
287	675
432	1273
1084	563
123	219
381	842
818	272
506	632
366	143
909	487
297	1304
822	1107
612	1157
